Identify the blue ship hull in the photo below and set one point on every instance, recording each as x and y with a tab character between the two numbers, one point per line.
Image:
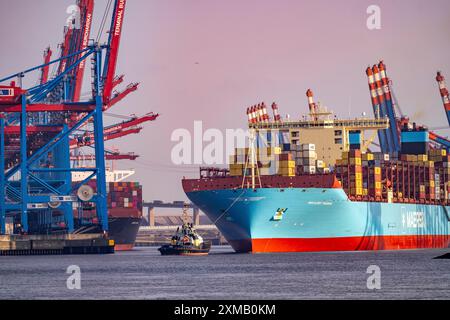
295	219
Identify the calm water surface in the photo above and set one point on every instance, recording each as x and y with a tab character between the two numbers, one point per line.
144	274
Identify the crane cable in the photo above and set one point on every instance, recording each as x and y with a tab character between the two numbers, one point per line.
103	23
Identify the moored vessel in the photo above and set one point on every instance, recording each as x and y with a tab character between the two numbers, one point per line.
124	209
315	184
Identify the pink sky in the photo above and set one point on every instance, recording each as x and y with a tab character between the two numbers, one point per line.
210	59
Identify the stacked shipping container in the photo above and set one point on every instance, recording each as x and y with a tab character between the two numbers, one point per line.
124	195
350	170
405	178
412	179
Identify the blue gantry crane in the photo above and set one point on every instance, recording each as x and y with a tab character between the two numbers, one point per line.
37	125
384	106
36	150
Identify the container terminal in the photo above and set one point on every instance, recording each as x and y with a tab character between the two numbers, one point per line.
57	194
321	184
312	184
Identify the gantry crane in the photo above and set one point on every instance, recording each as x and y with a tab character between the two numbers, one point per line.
77	39
445	95
38	173
37	125
384	106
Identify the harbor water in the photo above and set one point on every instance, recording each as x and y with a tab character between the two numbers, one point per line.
145	274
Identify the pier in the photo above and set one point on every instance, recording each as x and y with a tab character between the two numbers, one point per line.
25	245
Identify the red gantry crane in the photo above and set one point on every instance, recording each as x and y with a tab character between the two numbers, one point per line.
444	94
45	70
77	39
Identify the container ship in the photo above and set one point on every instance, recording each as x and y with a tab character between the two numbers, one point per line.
315	185
124	209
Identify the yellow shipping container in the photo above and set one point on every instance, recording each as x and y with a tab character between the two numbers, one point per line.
356	177
377	170
268	151
356	191
378	185
411	158
356	184
438	152
422	157
236	173
287	164
344	155
355	161
289	172
236	166
367	156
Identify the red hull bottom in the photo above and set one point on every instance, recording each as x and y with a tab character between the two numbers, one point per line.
342	244
124	247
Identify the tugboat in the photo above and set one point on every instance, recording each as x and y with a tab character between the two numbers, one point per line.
186	241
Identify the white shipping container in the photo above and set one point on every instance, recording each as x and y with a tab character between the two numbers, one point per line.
320	164
309	169
309	154
308	147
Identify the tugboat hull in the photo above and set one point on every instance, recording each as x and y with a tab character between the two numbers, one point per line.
170	250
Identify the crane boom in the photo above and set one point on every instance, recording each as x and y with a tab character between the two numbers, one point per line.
440	140
112	156
116	131
115	34
119	96
65	49
87	11
45	69
444	94
118	80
